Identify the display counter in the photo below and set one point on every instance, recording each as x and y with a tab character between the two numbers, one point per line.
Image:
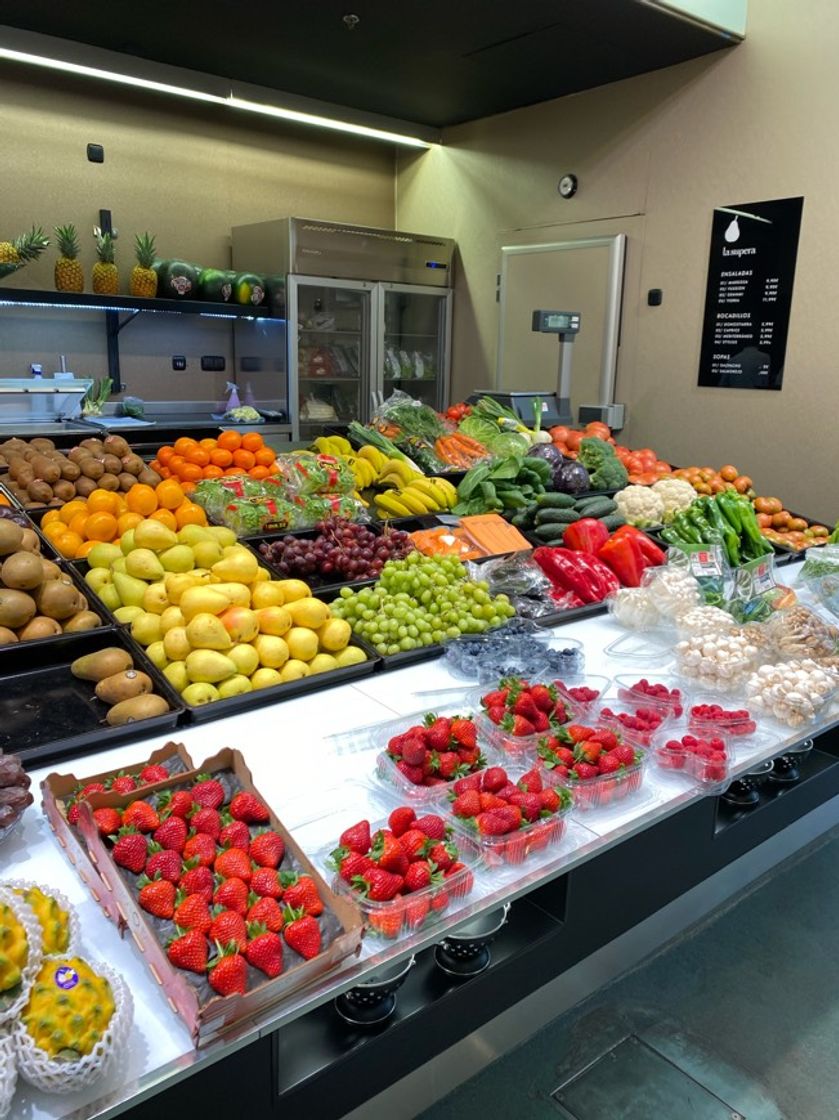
613	867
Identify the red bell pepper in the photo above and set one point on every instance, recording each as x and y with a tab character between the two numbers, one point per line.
576	572
652	554
624	557
586	535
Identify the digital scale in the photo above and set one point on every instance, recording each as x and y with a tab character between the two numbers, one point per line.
555	407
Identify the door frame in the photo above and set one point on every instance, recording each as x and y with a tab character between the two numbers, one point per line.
616	243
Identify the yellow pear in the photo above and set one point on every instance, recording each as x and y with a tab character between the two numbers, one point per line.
273	652
302	643
193	534
294	589
98	577
130	590
155	598
206	553
208	666
241	623
145	629
200	693
334	634
323	663
222	534
172	616
127	614
142	563
175	674
274	620
245	658
240	565
267	594
202	600
178	582
308	612
265	678
352	655
262	576
176	644
234	686
102	554
157	655
178	558
154	535
205	631
294	670
238	595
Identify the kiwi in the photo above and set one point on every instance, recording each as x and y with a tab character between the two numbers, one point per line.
111	463
84	620
92	468
22	571
69	470
133	464
126	481
16	463
49	570
95	446
85	486
123	686
63	490
11	536
57	599
45	469
116	445
39	627
16	608
149	477
108	481
31	541
40	491
138	707
25	476
78	454
7	636
41	443
103	663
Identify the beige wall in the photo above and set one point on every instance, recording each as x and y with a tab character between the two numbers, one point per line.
756	122
187	174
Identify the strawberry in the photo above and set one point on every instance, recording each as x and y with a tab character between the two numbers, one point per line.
266	881
233	863
464	732
413	773
208	792
378	885
229	927
196	879
200	847
248	808
507	791
467	805
469	758
107	821
171	834
414	750
608	764
192	912
490	801
443	855
625	754
465	880
232	894
493	823
388	921
400	821
497	713
540	722
206	820
153	773
164	863
140	815
432	826
267	849
302	933
189	951
438	732
124	783
531	806
589	751
177	804
91	787
414	843
605	737
416	911
496	698
421	874
157	896
267	911
446	764
471	781
234	834
531	782
353	864
543	697
229	974
577	733
264	950
73	811
356	838
584	770
493	779
550	800
518	725
130	850
523	706
301	893
386	850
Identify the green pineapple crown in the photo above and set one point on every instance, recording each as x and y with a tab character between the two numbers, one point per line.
31	245
104	245
145	249
68	241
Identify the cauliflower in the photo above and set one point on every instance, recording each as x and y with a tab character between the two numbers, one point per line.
244	414
676	494
639	506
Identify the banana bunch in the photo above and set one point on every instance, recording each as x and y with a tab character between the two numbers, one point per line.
333	445
419	495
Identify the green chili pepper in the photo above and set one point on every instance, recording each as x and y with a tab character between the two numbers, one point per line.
686	529
730	538
707	533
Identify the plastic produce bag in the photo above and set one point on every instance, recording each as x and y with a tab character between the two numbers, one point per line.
820	575
303	473
756	594
709	567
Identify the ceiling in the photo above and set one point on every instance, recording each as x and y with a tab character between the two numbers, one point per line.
434	62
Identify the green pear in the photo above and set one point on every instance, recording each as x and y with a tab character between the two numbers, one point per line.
178	558
208	666
118	565
234	686
245	658
155	598
127	614
157	655
171	617
193	534
142	563
222	534
176	644
97	578
199	693
110	597
126	542
129	589
145	629
154	535
207	553
102	553
175	674
205	631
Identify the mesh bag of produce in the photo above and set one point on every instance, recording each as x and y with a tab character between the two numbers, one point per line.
8	1073
21	957
57	917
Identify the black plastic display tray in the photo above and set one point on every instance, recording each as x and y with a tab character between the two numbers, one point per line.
11	650
46	712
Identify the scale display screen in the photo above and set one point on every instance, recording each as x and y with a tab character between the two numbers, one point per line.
556	322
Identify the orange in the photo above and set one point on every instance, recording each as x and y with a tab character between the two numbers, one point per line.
221	457
53	515
207	444
155	465
69	511
253	441
198	455
166	517
165	454
244	459
164	472
169	494
258	472
213	472
189	472
141	499
190	514
230	441
273	469
265	456
101	526
99	501
187	488
54	530
184	444
127	521
83	549
78	524
68	543
175	463
234	471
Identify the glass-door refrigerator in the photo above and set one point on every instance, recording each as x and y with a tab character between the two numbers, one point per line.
414	332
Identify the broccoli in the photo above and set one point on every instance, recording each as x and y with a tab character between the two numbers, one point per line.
606	471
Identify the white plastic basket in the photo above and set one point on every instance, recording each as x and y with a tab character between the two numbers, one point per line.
75	934
8	1073
52	1075
32	928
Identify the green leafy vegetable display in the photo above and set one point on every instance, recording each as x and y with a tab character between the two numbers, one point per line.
507	484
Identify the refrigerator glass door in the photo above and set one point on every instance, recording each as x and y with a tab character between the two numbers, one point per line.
330	348
414	342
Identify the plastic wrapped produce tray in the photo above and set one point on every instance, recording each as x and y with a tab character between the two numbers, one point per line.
46	712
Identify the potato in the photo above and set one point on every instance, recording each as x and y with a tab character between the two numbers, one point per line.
84	486
45	469
64	490
39	491
7	636
30	541
69	471
108	481
25	476
16	465
92	468
16	608
58	600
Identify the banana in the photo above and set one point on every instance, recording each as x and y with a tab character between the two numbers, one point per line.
447	488
359	498
323	445
340	445
374	456
402	470
429	488
390	506
413	500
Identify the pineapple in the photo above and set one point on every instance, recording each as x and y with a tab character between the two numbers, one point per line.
14	949
69	1008
143	276
54	922
27	247
69	276
105	275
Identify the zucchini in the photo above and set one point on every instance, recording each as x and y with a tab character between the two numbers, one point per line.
550	534
613	521
556	501
556	516
596	507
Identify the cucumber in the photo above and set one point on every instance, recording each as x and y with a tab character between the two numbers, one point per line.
550	534
556	516
596	507
521	520
556	501
613	521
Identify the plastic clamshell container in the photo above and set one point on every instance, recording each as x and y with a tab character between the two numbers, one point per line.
609	713
605	789
514	848
624	687
739	727
515	748
699	768
408	913
592	681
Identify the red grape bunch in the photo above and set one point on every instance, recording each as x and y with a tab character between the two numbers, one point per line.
342	551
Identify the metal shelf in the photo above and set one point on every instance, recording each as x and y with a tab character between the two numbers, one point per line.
317	330
84	301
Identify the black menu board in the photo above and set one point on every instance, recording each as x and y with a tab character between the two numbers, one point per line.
747	302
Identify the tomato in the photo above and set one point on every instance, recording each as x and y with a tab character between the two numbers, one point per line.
764	520
717	486
729	473
768	505
780	520
647	478
559	433
796	525
819	531
662	467
742	483
574	439
598	429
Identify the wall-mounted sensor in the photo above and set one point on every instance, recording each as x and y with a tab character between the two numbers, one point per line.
96	153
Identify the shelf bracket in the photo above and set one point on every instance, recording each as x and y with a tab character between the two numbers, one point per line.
113	325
